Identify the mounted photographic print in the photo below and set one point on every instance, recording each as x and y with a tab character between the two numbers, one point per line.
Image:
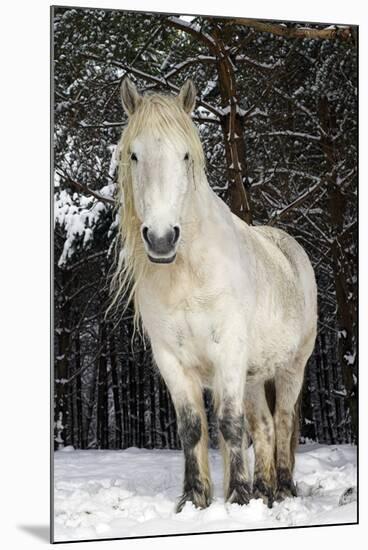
205	274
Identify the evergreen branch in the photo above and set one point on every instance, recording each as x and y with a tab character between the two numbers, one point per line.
84	189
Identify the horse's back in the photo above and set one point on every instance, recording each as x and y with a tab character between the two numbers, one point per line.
273	246
292	251
296	257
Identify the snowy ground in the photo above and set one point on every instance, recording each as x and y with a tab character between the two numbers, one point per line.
103	494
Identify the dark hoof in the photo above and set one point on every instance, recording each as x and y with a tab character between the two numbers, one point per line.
285	492
200	500
239	494
285	485
264	491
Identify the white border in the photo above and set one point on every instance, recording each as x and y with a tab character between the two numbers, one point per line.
24	230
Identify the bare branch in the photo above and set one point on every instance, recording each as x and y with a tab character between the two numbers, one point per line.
297	202
159	81
205	119
86	190
187	63
278	72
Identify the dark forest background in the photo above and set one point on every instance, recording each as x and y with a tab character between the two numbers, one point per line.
280	97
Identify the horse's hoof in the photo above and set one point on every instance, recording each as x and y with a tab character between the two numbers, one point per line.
240	494
200	500
285	485
286	491
263	491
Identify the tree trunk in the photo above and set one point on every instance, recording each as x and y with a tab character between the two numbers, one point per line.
82	442
132	400
163	413
233	130
152	409
141	400
71	406
346	307
61	409
125	388
115	390
102	399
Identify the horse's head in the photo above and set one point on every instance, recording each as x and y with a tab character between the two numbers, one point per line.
160	148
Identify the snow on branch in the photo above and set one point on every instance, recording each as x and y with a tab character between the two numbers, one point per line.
331	32
193	29
290	133
257	64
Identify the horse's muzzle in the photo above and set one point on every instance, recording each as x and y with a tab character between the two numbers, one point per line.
161	249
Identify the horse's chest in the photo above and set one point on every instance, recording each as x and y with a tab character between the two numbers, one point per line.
193	330
194	337
189	325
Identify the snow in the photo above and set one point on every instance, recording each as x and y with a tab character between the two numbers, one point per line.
211	84
185	22
350	357
78	215
188	18
106	494
226	110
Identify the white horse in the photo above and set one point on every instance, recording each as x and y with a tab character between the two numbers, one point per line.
225	305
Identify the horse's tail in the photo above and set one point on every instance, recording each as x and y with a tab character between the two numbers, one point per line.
270	391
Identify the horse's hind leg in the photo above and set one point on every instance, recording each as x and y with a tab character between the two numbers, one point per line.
288	383
186	393
261	427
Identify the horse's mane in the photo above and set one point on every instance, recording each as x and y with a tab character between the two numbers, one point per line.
164	115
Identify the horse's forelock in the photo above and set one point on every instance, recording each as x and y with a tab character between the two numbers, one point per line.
164	115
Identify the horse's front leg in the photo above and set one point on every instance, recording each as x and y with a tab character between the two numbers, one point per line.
187	396
229	390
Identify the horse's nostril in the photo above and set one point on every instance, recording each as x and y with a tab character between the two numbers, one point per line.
145	234
176	234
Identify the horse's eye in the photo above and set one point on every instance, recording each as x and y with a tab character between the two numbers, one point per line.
186	156
133	156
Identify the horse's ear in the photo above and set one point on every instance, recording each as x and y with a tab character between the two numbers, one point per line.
187	96
129	96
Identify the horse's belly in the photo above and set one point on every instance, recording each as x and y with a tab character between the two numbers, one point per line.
272	348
